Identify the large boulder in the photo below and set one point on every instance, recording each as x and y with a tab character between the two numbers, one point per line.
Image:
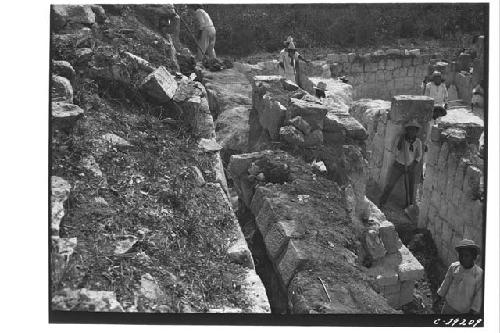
232	129
72	14
61	91
312	112
65	115
64	69
160	85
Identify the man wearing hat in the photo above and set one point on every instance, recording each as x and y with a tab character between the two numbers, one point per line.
288	60
436	89
206	33
462	286
320	89
408	150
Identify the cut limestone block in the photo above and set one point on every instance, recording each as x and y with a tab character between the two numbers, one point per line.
65	115
301	124
240	254
406	292
86	300
268	215
463	118
271	116
313	113
59	193
64	69
374	245
389	237
160	85
64	14
293	260
344	123
411	107
61	91
409	268
279	235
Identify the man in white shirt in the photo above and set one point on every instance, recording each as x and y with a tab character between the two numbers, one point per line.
288	59
462	286
408	150
206	34
436	89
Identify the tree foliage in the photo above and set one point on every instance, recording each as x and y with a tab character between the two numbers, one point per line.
244	29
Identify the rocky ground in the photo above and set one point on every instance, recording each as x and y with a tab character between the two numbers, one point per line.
141	221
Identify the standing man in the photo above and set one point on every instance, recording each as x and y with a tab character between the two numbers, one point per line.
206	33
288	61
408	150
437	90
462	286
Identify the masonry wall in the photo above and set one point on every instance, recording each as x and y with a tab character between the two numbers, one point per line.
451	208
381	76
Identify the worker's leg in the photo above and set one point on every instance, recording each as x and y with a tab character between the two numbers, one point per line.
411	180
395	173
211	43
203	44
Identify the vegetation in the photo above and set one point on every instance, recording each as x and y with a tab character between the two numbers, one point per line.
246	29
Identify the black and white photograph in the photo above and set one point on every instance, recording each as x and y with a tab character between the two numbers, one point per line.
270	163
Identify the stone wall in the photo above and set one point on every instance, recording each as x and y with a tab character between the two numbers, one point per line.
451	207
381	76
287	117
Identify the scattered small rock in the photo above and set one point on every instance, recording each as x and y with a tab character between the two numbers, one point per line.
115	140
86	300
150	288
124	244
90	164
209	145
101	201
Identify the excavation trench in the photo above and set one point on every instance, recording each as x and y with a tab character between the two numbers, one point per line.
348	127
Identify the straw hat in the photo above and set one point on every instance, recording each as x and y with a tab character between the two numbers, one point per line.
467	244
321	86
436	73
412	123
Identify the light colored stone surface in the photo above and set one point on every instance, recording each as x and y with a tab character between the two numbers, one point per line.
115	140
61	90
60	189
160	85
86	300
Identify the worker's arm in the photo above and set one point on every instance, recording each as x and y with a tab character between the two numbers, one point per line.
478	298
427	90
303	59
445	97
445	285
281	61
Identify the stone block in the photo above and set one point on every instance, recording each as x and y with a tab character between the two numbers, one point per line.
61	90
464	119
294	259
65	115
357	67
271	116
67	14
392	288
160	85
374	245
63	69
313	113
239	253
314	138
389	237
279	234
472	180
407	107
291	135
344	123
409	268
406	292
268	215
301	124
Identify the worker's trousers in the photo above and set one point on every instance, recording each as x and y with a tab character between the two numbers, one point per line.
395	172
206	44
